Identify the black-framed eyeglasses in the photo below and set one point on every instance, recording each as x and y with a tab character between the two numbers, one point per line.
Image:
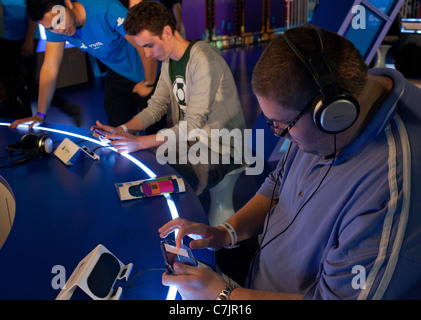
288	128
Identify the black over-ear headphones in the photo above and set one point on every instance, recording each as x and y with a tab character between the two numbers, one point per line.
334	109
31	146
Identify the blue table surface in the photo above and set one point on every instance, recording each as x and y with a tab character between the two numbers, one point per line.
64	212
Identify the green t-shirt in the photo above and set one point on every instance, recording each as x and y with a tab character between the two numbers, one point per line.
177	72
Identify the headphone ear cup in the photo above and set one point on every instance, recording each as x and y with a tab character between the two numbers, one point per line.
28	141
28	146
44	145
336	113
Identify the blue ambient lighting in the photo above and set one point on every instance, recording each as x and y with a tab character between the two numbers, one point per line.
172	291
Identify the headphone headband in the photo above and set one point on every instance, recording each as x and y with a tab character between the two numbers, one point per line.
334	110
318	65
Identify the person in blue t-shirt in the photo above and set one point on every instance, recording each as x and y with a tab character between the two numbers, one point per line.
95	27
340	216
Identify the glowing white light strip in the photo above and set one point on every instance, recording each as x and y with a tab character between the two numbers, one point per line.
61	132
149	172
172	291
171	205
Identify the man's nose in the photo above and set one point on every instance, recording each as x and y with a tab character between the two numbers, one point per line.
148	52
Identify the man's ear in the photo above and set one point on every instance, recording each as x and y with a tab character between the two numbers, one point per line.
167	33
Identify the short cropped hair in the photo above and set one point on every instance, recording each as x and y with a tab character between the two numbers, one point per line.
148	15
38	8
280	76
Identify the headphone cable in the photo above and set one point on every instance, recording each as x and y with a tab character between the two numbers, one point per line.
261	247
279	175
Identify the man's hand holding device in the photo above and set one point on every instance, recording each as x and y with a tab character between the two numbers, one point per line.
192	278
101	131
172	254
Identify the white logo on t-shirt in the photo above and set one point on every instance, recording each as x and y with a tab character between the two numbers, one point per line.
120	21
179	91
97	45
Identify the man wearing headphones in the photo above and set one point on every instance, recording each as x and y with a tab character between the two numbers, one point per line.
339	218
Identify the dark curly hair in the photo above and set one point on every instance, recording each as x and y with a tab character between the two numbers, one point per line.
148	15
38	8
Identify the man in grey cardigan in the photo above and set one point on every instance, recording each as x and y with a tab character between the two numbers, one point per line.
199	89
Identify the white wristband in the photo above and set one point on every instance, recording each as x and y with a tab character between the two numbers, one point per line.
232	233
124	128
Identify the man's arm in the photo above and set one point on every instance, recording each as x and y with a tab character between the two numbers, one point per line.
178	15
249	220
205	284
125	141
150	68
49	73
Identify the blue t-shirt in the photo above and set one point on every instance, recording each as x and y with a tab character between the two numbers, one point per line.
359	235
102	36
